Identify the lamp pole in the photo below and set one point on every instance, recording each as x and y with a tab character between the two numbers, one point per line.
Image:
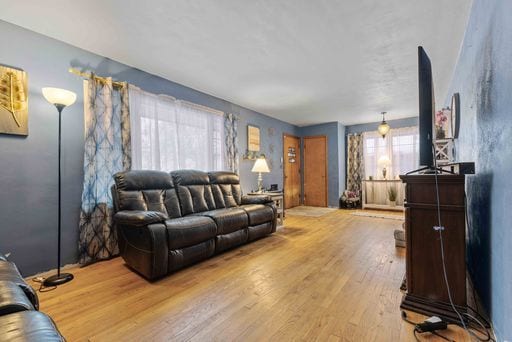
60	98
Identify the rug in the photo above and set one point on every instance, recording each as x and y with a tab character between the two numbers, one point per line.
399	217
304	210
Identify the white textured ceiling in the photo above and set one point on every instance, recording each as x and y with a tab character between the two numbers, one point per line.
302	61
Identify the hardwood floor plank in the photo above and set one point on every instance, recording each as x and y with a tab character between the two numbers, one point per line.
329	278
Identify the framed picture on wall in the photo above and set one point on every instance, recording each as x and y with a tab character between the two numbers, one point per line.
253	138
13	101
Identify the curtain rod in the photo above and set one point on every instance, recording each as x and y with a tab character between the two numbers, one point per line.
90	75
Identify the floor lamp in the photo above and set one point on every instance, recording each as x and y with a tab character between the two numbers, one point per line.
60	98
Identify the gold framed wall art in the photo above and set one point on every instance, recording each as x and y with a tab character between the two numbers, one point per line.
253	138
13	101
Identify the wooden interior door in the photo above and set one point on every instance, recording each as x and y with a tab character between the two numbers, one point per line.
315	171
291	171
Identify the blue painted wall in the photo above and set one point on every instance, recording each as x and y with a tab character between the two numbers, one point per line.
28	175
342	174
335	155
483	77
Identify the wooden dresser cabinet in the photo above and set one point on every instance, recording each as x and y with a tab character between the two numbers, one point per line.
426	289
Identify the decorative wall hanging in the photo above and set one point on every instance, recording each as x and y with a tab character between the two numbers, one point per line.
13	101
271	131
253	138
441	123
251	155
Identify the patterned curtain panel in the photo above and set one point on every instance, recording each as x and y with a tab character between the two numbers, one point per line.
231	135
355	162
107	151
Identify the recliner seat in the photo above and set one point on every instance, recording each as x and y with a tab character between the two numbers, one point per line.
168	221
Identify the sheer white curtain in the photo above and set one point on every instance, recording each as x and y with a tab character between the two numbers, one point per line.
168	134
399	152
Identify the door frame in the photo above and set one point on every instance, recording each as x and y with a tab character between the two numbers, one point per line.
301	183
326	167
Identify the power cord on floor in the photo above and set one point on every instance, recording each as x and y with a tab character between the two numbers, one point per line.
417	331
43	288
440	229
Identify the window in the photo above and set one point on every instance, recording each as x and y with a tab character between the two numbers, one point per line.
168	134
398	152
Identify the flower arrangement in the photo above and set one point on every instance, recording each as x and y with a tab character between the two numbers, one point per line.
440	120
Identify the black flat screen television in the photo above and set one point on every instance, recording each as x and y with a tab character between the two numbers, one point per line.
426	109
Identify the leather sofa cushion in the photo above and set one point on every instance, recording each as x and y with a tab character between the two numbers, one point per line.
131	200
258	213
227	241
227	220
143	180
146	190
259	231
190	177
12	298
28	326
195	198
226	189
194	191
187	231
180	258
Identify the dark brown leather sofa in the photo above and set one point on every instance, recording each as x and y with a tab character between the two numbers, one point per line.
168	221
19	318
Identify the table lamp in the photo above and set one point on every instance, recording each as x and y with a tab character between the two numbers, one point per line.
260	166
383	163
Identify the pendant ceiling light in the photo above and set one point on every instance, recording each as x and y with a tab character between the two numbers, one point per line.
384	126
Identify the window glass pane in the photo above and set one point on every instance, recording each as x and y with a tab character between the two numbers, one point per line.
169	135
398	152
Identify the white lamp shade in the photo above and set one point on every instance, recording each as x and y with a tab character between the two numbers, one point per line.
260	166
59	96
383	161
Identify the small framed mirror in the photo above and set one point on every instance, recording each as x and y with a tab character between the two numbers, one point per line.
455	115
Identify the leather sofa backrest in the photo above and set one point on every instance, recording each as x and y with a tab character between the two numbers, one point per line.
194	191
226	189
146	190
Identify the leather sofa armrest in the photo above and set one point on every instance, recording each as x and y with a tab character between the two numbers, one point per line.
9	273
144	248
256	199
13	299
137	218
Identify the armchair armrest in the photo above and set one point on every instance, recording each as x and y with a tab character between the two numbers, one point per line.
256	199
13	299
9	273
138	218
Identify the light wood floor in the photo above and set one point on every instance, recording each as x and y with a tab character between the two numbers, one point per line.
333	278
